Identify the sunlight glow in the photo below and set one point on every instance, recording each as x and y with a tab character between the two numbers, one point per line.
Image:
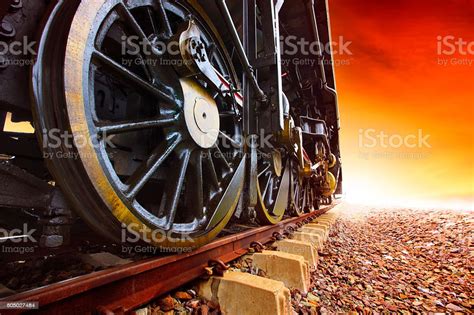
365	193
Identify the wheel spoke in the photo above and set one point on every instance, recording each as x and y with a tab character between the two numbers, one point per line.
267	184
174	196
152	19
237	144
211	170
197	191
269	193
221	157
129	76
164	19
134	125
128	17
264	171
145	171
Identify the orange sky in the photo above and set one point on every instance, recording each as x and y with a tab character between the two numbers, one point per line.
392	82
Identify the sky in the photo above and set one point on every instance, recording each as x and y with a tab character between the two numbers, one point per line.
404	79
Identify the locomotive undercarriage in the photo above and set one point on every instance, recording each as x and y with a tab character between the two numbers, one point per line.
158	142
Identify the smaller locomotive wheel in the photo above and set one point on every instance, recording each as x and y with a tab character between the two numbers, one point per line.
273	186
155	163
303	194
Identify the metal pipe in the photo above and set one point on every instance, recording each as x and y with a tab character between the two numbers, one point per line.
321	57
314	24
240	50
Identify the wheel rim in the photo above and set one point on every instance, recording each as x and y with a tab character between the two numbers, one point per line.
151	160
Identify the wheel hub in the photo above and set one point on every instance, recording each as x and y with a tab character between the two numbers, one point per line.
201	114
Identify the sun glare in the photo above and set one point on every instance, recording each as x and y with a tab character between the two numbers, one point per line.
365	192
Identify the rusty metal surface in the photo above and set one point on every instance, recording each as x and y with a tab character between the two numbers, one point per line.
122	289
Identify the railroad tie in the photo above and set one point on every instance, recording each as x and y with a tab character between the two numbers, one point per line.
305	249
288	267
244	293
292	270
313	238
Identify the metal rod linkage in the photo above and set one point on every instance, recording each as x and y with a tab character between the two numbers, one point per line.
240	50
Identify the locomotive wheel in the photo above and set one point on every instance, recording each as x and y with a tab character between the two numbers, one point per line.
143	168
273	186
303	196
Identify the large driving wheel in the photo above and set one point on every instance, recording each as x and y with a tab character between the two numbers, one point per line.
156	163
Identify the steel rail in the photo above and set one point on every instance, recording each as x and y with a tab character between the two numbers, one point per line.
122	289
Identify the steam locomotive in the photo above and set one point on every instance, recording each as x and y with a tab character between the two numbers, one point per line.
170	119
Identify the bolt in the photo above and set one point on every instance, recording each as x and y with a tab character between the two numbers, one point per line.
7	31
16	5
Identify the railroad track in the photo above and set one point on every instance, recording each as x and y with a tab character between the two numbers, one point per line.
120	290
